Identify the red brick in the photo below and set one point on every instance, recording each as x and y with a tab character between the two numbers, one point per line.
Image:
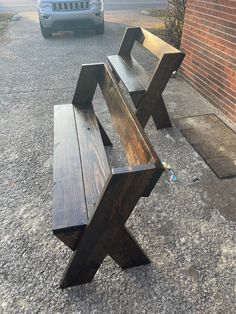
216	67
217	13
211	33
209	52
222	93
191	14
220	6
223	84
208	92
215	23
209	41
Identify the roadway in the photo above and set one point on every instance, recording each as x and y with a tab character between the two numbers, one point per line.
29	5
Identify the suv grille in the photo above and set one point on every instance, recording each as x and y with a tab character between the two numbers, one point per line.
70	6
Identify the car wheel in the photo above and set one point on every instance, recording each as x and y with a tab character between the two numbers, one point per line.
100	29
46	32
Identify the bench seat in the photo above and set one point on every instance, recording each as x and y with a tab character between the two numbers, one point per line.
80	171
146	92
130	72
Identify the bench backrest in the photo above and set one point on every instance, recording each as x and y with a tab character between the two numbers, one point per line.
169	58
136	144
154	44
123	186
141	157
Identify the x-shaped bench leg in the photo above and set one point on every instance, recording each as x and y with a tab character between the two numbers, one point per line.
157	110
126	252
87	259
105	234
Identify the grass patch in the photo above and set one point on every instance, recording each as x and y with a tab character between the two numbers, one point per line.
160	13
4	21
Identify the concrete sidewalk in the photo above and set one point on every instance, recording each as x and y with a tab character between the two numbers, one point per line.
186	228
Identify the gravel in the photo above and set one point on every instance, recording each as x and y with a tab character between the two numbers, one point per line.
183	227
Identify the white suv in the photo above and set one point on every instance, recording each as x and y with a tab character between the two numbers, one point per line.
56	15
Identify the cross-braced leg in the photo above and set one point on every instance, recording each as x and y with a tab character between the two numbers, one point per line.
157	110
118	200
136	98
143	115
160	115
126	252
84	263
105	138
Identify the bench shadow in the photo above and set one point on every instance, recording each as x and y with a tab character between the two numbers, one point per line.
143	284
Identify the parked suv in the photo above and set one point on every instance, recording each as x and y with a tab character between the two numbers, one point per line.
56	15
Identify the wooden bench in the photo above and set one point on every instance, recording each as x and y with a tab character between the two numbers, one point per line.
145	93
92	200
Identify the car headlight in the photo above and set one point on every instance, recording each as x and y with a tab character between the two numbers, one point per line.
45	4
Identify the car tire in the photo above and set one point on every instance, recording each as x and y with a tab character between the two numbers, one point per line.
46	32
99	30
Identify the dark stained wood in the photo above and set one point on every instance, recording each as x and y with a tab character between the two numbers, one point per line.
162	75
160	115
105	138
109	195
146	93
125	250
119	197
69	205
69	193
153	102
156	45
70	238
137	146
131	35
136	98
85	91
130	72
95	166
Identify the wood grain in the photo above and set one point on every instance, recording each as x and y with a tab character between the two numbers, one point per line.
95	166
86	85
85	185
118	199
130	72
69	205
155	44
146	93
131	35
125	251
137	146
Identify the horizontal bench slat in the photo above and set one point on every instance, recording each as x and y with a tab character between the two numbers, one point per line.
95	166
69	205
137	147
156	45
133	76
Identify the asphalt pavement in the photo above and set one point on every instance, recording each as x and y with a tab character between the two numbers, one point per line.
29	5
185	227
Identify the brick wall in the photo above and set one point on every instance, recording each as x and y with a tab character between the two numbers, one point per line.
209	41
